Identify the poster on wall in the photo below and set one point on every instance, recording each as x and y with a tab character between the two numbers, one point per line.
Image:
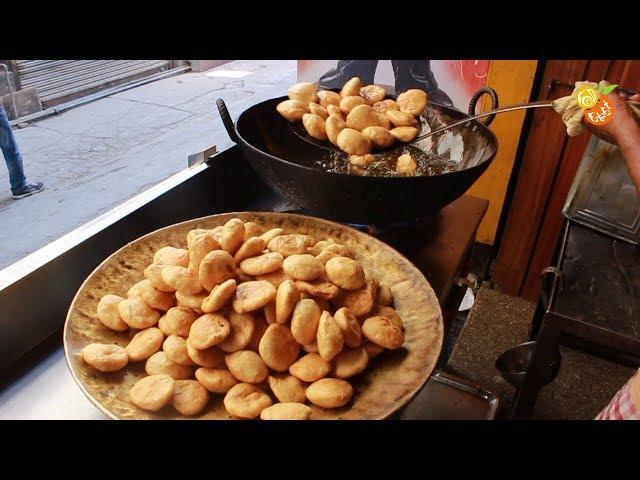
448	82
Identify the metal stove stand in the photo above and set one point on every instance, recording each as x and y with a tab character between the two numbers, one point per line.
590	302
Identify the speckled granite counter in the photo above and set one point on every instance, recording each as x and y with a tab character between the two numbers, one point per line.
497	322
584	385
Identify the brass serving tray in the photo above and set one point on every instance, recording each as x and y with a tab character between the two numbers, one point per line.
389	383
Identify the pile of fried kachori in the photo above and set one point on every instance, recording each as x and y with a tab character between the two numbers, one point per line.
271	320
358	120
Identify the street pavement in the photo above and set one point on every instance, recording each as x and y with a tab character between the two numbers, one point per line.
97	156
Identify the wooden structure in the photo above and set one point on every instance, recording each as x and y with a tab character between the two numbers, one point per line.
550	161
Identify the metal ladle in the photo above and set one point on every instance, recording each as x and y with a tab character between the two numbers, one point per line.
302	133
511	108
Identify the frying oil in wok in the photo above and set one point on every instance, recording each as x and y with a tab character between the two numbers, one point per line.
435	155
384	164
456	149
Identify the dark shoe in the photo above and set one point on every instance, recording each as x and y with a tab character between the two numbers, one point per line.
439	97
346	70
27	190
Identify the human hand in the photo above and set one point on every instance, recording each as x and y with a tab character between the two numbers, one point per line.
624	121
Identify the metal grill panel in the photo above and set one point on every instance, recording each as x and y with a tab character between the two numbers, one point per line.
58	80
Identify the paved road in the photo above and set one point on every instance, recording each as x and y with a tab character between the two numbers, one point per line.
96	156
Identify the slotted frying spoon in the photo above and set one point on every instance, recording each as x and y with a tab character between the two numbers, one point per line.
300	131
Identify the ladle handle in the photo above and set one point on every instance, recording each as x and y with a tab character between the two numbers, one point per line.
227	122
494	103
510	108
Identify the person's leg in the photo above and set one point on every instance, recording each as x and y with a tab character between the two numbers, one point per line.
11	153
20	186
418	74
346	70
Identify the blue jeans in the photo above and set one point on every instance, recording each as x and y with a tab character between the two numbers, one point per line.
11	153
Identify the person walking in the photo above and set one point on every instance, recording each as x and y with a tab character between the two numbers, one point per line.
20	186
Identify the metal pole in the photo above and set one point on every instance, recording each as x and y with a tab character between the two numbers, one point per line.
13	101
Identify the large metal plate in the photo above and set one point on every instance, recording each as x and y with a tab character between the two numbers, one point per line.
388	384
603	196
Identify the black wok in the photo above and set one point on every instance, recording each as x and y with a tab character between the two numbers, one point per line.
288	164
